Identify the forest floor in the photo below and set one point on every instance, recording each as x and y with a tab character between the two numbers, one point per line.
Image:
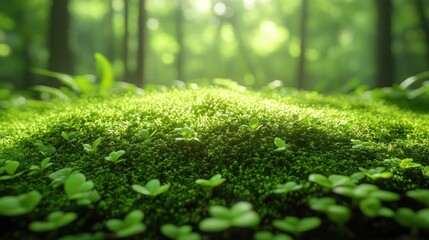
277	165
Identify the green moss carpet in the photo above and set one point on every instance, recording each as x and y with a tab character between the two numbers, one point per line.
231	133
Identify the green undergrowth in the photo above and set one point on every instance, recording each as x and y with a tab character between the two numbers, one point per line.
179	136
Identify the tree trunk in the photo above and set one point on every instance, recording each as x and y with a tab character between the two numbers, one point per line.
179	38
125	41
60	55
420	7
301	81
139	79
383	42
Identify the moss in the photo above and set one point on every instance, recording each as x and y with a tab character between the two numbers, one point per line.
318	129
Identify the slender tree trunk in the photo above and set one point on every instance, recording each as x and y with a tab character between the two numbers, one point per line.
110	33
420	7
383	42
301	81
139	79
125	41
179	38
60	55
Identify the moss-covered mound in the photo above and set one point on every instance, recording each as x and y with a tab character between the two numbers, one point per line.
231	133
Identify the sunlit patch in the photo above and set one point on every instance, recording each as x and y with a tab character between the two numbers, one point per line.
5	50
201	5
294	49
269	37
152	23
220	8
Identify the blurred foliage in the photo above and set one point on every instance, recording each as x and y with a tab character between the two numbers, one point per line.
252	42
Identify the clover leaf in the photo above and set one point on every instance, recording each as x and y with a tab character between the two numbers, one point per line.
358	144
408	163
19	205
187	134
54	220
281	145
253	125
92	148
145	135
296	225
114	156
179	232
77	188
336	213
153	188
43	165
46	150
58	177
376	173
413	220
372	207
222	218
9	168
287	187
363	191
421	195
332	181
208	184
131	225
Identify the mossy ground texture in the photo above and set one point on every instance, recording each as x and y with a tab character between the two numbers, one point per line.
318	129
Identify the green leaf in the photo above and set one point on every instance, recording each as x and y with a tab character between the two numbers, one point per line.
296	225
338	214
63	78
248	219
279	142
19	205
421	195
220	212
214	225
106	71
11	166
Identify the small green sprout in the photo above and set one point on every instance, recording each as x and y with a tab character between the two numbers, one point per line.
287	187
281	145
54	221
222	218
43	165
358	144
69	136
179	232
372	207
267	235
403	163
58	177
153	188
408	163
9	169
357	176
92	148
376	173
114	156
131	225
187	134
332	181
253	125
420	195
413	220
338	214
77	188
363	191
46	150
19	205
226	117
208	184
145	135
296	225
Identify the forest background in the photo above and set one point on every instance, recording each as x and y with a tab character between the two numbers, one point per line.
324	45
